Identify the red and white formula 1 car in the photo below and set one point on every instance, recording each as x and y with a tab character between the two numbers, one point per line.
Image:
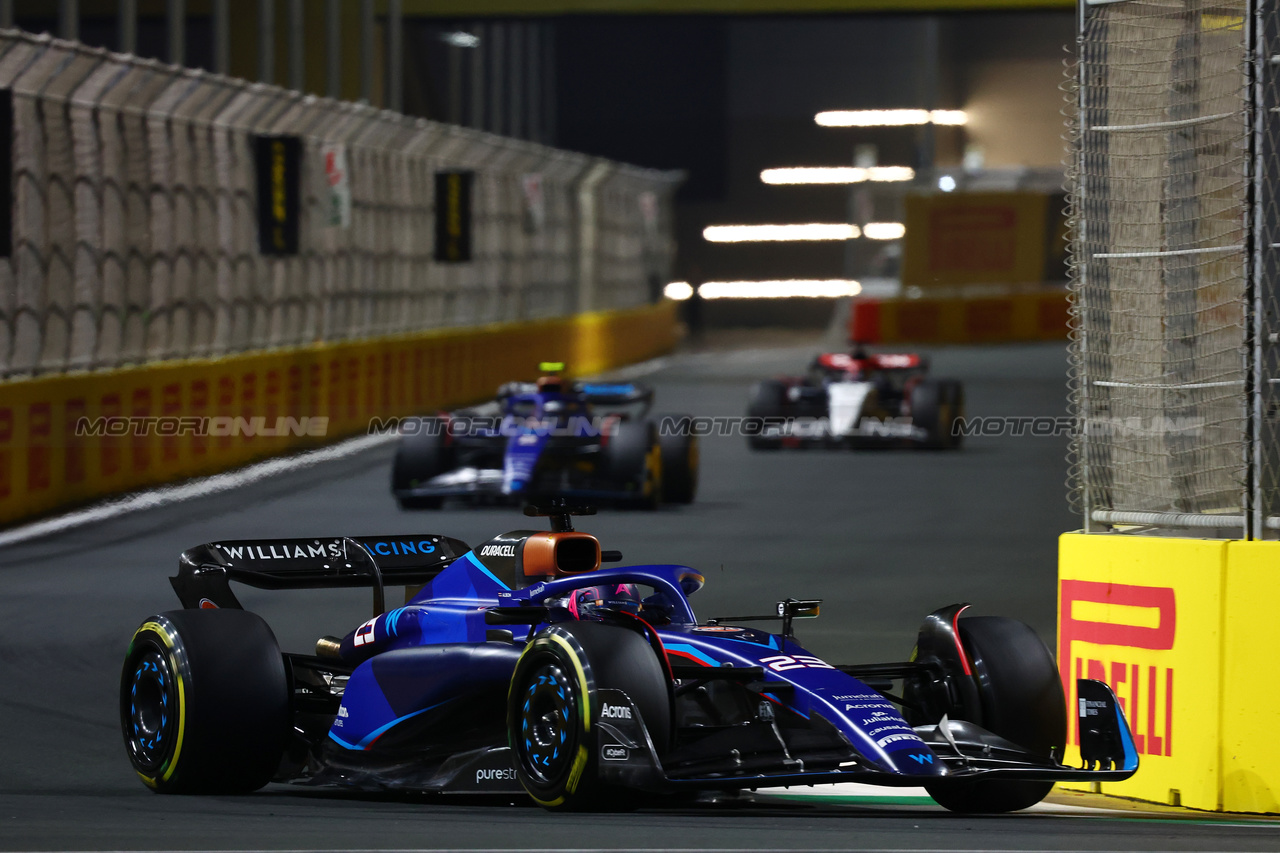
857	399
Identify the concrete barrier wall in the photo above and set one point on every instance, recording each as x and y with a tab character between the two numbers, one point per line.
188	246
142	193
45	466
1184	632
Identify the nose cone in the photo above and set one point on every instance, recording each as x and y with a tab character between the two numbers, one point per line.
916	760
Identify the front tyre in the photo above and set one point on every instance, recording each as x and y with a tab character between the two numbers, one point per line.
768	405
936	405
1021	700
204	702
554	704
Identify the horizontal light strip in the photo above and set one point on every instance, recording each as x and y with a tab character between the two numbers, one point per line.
780	289
759	233
889	118
884	230
836	174
678	290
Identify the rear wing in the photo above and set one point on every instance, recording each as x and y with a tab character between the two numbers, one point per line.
615	393
205	571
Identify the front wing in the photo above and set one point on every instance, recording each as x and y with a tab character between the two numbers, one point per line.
968	753
487	484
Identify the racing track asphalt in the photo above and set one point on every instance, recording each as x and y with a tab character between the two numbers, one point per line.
882	536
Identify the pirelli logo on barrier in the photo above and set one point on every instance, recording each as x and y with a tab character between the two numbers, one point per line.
453	216
278	160
1124	635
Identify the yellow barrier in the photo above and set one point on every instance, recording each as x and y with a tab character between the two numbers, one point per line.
1144	615
265	403
963	238
1183	631
961	320
1250	697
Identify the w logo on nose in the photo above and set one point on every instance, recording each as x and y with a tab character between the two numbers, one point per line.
922	759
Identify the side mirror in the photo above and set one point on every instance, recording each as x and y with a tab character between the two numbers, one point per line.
791	608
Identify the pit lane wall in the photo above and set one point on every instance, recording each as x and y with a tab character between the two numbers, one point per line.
1184	632
259	404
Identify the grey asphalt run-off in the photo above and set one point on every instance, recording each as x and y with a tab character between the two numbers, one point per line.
883	537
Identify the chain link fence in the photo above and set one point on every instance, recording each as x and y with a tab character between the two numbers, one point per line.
1161	188
135	219
1265	411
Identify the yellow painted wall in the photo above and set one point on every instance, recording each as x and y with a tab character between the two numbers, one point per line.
964	238
1200	614
1145	614
1251	694
45	467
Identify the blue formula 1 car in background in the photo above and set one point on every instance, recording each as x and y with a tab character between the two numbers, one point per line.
522	665
587	441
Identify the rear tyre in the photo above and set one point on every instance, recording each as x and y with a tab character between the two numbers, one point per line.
554	704
768	402
1022	701
204	702
936	404
419	457
634	462
679	462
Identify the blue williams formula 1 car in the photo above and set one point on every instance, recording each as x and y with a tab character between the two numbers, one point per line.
522	665
551	438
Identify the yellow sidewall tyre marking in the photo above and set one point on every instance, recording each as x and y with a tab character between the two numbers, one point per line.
653	471
575	772
171	764
580	760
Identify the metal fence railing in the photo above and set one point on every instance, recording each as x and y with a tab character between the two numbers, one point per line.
136	208
1162	264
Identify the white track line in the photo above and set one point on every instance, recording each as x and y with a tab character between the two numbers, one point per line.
155	498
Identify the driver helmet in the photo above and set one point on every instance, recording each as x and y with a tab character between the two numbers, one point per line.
551	380
586	603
